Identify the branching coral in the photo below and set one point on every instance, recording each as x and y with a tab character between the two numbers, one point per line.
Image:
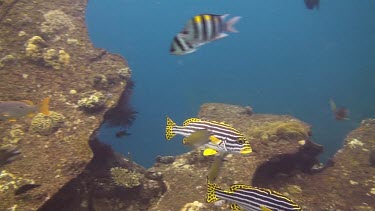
125	178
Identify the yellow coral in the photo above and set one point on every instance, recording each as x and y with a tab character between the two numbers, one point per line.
47	124
64	58
9	181
56	60
125	178
34	48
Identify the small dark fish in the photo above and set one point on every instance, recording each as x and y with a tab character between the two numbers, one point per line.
311	4
339	113
25	188
122	133
8	155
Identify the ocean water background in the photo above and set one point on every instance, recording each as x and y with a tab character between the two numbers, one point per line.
285	60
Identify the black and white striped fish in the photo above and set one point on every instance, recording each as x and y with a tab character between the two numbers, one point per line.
205	28
224	138
180	46
245	197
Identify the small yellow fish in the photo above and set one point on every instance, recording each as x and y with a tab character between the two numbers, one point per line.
11	110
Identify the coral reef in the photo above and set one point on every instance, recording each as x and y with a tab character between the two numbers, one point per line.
56	22
92	101
56	59
125	178
11	182
47	124
34	48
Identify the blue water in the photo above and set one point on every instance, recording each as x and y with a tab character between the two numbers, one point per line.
285	60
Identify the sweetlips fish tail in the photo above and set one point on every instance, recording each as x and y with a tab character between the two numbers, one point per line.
169	129
44	106
229	25
211	196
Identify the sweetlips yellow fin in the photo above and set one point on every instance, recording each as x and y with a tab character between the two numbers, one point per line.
235	207
209	151
246	150
168	129
12	120
215	140
263	208
28	102
44	106
186	122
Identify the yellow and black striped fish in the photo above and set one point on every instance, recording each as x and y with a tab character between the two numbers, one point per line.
204	28
223	139
245	197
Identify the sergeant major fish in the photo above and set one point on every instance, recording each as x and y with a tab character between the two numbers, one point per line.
205	28
224	138
180	46
11	110
245	197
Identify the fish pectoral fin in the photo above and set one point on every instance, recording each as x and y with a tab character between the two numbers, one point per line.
209	151
264	208
215	140
220	36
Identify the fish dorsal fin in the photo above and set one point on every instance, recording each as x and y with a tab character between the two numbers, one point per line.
215	140
188	121
44	106
235	207
237	187
209	151
28	102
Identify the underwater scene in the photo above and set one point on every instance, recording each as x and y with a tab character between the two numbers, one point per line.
187	105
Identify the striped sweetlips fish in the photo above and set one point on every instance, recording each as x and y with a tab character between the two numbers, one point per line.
205	28
245	197
222	138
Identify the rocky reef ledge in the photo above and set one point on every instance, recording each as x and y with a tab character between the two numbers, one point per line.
284	159
45	52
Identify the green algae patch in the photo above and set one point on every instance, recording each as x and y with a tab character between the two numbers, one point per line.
291	130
